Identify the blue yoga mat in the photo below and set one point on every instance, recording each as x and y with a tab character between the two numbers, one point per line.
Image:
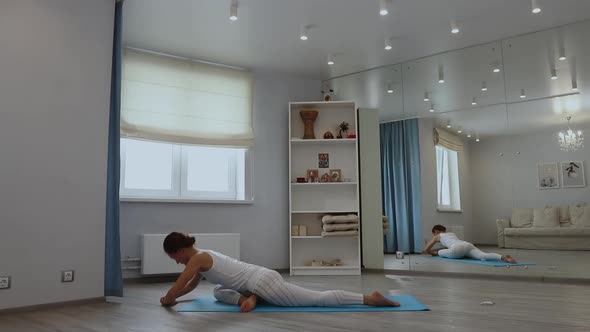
485	263
210	304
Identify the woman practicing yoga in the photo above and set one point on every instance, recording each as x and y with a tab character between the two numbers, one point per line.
456	248
245	284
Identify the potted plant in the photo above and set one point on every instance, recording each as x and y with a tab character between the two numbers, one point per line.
342	128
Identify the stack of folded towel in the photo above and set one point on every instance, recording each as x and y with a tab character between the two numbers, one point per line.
385	224
341	225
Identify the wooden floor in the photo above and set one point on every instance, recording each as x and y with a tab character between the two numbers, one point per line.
455	305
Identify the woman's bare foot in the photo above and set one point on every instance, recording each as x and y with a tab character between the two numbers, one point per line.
508	259
376	299
249	304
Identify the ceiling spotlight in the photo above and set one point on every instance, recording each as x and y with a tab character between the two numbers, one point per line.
562	56
388	45
496	69
431	108
426	98
468	135
473	102
522	94
389	88
331	60
553	74
484	86
535	8
454	28
233	11
441	74
383	7
449	124
477	139
460	130
304	33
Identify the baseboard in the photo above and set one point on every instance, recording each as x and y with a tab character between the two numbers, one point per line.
53	305
499	277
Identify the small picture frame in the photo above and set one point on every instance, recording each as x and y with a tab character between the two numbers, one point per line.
547	176
312	175
335	175
572	174
325	177
323	160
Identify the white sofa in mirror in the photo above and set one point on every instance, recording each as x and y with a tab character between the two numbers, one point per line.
549	228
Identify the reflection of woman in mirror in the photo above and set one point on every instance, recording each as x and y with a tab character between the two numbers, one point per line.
456	248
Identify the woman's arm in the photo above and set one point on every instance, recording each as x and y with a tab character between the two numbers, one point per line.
430	244
190	274
191	285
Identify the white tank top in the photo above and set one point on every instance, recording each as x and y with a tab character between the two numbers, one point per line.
449	239
230	273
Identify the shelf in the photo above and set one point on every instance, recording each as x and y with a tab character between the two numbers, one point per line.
296	184
331	211
323	141
308	237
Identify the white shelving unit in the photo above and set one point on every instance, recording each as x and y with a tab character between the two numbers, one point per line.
309	202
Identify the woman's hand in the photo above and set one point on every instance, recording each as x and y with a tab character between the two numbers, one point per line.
167	302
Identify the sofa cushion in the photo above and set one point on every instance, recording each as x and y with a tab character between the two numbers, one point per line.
521	218
564	215
532	231
572	231
546	217
580	215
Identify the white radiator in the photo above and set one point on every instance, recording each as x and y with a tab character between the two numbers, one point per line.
155	261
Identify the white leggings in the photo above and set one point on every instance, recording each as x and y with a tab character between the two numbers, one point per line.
466	249
273	289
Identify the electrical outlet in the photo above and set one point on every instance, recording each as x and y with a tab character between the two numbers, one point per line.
67	276
5	282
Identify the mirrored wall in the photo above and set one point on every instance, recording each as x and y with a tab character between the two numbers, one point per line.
512	178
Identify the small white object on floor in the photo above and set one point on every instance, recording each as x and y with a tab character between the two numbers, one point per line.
508	266
487	303
526	267
553	268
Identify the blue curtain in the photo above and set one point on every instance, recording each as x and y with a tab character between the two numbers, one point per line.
400	170
113	277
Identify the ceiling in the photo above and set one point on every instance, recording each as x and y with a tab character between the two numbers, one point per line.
266	35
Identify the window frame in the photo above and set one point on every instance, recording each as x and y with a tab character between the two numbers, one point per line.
454	181
179	192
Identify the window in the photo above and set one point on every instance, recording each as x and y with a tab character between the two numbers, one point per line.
153	170
447	179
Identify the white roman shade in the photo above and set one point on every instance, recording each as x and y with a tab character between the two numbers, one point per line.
447	140
180	101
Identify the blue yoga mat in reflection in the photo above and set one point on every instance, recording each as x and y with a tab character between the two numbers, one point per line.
210	304
485	263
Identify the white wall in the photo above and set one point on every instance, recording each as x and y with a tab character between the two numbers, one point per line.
430	215
54	104
264	225
511	180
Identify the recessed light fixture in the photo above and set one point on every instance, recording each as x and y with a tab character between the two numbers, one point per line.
522	94
431	108
468	135
304	32
233	11
460	130
449	124
484	86
562	56
331	60
477	139
389	88
388	45
473	102
441	74
553	74
535	8
496	69
454	27
383	11
426	97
